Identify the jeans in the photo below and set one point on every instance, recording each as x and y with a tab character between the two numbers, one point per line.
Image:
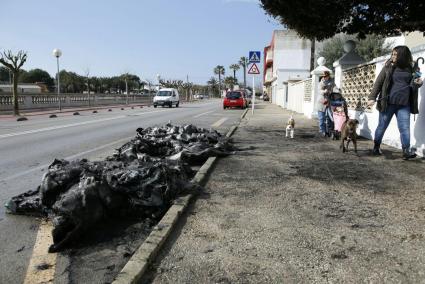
322	125
402	114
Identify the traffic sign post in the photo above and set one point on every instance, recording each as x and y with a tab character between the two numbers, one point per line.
253	70
254	57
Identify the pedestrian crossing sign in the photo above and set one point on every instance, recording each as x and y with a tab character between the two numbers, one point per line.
254	69
254	57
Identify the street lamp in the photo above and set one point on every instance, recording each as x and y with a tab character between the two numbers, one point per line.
57	53
159	79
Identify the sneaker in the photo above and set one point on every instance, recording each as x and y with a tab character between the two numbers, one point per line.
408	154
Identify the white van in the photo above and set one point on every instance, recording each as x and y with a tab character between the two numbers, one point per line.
166	97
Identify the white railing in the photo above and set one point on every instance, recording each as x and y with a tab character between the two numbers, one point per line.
41	101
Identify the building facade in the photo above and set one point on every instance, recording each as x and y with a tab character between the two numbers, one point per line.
287	59
24	88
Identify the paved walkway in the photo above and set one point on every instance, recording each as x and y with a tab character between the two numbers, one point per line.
300	211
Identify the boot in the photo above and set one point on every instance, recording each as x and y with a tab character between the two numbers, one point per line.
377	150
408	154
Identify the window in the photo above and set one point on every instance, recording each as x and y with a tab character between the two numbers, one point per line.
233	95
164	93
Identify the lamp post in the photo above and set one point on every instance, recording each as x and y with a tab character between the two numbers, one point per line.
57	53
159	79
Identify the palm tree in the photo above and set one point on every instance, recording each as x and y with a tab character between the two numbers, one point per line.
219	70
234	67
212	83
230	81
243	61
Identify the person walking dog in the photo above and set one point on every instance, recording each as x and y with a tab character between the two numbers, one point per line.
326	85
396	93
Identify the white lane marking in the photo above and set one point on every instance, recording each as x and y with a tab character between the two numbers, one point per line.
219	122
71	125
67	158
199	115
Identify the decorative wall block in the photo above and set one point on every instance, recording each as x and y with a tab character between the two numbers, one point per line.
357	83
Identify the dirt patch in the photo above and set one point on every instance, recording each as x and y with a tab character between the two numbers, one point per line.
105	249
300	211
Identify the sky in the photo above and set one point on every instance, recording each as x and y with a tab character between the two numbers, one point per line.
172	38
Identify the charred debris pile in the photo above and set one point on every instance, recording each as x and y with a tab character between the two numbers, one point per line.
142	178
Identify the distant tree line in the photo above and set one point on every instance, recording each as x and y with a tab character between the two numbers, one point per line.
71	82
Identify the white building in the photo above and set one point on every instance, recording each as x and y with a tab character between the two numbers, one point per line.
287	58
22	88
412	39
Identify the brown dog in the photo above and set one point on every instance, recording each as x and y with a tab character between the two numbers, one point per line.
348	133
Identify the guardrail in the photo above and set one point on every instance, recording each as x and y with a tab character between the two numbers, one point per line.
49	101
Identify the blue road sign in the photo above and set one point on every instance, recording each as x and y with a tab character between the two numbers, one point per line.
254	56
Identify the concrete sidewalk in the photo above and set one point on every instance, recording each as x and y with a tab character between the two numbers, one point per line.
300	211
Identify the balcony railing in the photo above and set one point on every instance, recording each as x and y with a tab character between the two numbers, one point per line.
269	56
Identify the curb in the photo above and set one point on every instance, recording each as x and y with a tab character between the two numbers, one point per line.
244	113
138	264
231	131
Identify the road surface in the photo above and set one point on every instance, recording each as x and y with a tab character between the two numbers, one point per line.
27	148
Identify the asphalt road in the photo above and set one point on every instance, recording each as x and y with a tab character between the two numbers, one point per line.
27	148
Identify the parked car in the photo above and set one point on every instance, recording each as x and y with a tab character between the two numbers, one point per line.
248	96
166	97
235	99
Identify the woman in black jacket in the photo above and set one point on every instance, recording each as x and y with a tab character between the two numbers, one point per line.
396	92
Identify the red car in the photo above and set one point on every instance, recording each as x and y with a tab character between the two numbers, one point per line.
235	99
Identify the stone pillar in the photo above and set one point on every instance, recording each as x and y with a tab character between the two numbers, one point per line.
316	74
350	59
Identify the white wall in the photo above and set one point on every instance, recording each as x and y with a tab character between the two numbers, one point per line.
296	97
291	59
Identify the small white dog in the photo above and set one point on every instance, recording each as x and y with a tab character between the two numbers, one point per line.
290	128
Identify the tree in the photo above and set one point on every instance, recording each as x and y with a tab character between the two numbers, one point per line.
71	82
322	19
230	82
373	46
14	62
37	75
4	74
213	85
243	61
219	70
234	67
370	47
